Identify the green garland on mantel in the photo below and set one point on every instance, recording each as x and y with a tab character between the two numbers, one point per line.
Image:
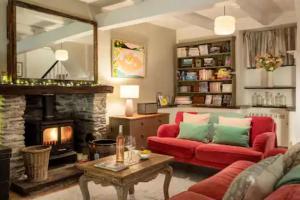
39	82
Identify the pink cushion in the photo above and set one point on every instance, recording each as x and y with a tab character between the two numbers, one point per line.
196	118
226	154
173	146
216	186
239	122
179	116
287	192
261	125
190	196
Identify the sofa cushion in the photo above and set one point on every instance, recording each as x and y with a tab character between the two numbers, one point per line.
257	181
196	118
261	125
216	186
292	177
190	196
226	154
287	192
173	146
197	132
238	122
230	135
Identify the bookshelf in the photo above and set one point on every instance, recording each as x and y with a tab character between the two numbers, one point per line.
205	73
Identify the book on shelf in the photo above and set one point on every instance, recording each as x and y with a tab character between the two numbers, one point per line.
203	49
181	52
217	100
203	87
215	87
205	74
183	100
226	88
227	100
194	51
208	99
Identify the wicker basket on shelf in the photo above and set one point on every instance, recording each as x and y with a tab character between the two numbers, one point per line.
36	159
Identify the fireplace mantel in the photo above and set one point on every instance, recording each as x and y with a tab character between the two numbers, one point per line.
49	89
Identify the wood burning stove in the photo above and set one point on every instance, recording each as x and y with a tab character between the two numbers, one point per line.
52	132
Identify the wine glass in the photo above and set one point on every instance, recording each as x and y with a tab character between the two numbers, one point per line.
130	144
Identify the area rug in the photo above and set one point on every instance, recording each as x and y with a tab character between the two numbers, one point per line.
183	178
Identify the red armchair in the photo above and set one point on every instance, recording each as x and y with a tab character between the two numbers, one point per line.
262	141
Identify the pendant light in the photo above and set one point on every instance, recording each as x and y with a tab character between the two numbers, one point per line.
224	25
61	54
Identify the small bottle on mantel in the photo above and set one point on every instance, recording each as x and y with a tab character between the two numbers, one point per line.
120	146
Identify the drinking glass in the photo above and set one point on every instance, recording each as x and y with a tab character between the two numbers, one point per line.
130	144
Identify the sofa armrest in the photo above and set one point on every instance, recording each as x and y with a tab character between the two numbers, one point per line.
275	151
168	130
264	142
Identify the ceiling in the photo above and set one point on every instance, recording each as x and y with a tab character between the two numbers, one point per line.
248	13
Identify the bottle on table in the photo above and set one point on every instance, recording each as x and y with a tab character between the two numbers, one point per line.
120	142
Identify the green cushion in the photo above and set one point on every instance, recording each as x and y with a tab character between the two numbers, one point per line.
193	131
292	177
214	119
237	136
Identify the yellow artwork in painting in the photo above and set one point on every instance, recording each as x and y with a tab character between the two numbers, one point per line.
128	60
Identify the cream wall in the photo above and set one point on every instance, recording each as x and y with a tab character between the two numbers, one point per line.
160	43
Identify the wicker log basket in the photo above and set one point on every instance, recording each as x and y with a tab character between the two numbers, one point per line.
36	159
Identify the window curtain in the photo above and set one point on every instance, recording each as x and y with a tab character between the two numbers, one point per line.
276	42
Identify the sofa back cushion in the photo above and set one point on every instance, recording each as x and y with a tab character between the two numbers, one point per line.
259	125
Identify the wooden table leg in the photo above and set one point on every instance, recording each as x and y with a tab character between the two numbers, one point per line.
122	192
168	175
83	183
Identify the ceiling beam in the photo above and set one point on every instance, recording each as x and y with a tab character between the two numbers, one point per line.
148	10
264	12
197	20
46	38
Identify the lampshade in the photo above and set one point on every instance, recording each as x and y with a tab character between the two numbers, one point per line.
61	55
224	25
129	91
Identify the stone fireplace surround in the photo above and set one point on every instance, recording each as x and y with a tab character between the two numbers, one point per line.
87	110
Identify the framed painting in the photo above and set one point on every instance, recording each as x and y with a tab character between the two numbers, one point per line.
128	60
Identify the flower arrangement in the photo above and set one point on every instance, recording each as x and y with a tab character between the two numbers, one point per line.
269	62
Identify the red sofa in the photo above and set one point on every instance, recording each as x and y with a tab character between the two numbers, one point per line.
214	187
262	140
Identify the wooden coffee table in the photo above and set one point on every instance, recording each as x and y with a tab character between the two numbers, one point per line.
125	180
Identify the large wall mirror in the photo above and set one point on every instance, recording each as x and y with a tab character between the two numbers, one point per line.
46	44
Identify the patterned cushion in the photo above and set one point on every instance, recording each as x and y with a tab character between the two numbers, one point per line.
292	157
252	183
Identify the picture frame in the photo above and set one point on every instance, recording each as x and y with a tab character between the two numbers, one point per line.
128	59
20	69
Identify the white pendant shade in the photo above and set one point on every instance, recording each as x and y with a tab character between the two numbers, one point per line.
61	55
224	25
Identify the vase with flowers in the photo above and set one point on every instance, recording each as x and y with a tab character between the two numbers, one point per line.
270	63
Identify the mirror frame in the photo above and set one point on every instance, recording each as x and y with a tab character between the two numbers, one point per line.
12	32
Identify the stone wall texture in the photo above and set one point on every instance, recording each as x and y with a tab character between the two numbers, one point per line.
88	113
12	130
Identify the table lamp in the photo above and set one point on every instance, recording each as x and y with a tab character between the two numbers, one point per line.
129	92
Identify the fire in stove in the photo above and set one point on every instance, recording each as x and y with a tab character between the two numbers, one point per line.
50	136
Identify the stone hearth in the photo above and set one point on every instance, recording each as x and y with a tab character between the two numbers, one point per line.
87	110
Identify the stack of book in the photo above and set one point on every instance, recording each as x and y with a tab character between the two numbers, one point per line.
183	100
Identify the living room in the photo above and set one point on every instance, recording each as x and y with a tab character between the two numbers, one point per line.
156	99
